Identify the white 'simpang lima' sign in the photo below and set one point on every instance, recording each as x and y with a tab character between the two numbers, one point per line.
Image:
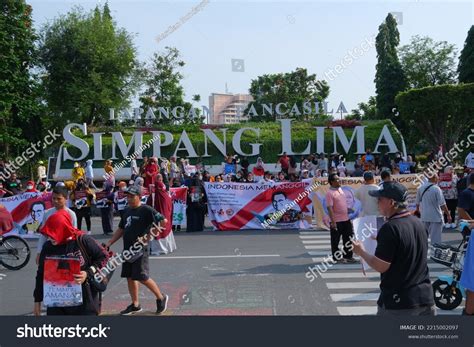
184	147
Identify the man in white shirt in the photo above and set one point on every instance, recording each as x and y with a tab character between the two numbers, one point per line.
369	203
469	162
59	198
431	200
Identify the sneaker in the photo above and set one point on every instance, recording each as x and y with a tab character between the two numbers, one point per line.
351	261
162	305
453	225
131	309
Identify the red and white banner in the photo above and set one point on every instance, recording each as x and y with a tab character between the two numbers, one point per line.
282	205
101	199
145	195
80	199
27	211
445	181
179	195
120	200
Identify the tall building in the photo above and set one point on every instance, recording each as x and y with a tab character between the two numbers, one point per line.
225	108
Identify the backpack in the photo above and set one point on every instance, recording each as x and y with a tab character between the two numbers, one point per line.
98	286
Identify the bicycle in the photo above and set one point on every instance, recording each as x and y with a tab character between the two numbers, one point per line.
448	293
14	252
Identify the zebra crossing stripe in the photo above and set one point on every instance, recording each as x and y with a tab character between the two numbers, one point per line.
316	247
431	266
324	242
311	237
345	267
353	285
314	232
328	253
348	297
321	259
456	312
357	310
372	310
370	274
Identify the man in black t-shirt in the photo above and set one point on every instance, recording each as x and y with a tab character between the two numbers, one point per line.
400	256
466	200
137	227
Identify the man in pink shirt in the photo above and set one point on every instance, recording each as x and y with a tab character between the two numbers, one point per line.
340	224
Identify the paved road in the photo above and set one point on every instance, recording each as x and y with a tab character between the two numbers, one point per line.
233	273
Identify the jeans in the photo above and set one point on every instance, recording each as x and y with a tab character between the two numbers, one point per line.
345	230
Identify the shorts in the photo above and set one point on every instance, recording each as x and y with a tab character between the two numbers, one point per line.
138	270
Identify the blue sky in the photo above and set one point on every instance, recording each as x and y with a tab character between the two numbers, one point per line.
274	37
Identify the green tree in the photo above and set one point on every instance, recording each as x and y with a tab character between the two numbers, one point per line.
365	110
439	114
389	76
90	66
294	87
164	89
426	62
466	60
19	107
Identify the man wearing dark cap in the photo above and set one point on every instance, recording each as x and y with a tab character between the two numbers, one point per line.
400	256
135	225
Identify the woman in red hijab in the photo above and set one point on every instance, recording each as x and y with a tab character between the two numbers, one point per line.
63	240
163	203
151	169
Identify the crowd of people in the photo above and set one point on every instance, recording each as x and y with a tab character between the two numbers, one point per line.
296	168
143	202
402	239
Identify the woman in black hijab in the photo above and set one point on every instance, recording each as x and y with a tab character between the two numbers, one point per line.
196	209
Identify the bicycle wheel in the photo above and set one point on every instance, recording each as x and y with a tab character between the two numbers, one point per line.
14	252
446	296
